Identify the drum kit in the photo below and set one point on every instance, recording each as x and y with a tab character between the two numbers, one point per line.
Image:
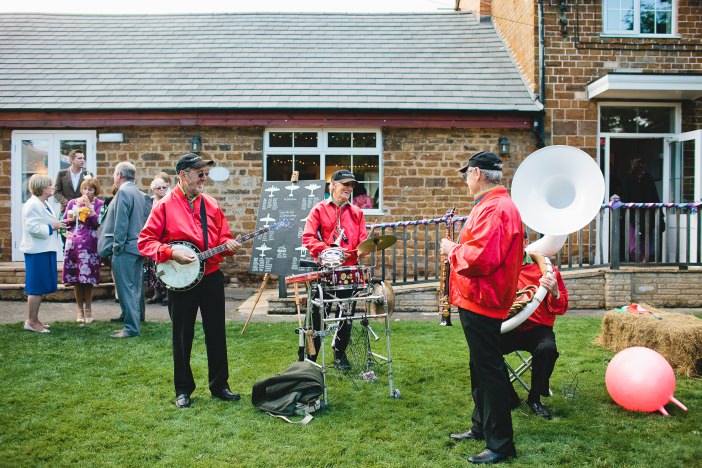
346	287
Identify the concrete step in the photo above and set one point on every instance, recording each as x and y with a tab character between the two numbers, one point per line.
12	275
15	292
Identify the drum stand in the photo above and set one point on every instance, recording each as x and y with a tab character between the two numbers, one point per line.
330	325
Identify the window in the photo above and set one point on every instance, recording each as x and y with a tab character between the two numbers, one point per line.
638	17
316	154
620	119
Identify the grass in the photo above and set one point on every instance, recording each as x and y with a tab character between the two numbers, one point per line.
78	397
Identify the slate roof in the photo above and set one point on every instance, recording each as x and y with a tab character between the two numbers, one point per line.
316	61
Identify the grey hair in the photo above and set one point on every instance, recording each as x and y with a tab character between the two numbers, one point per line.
126	170
492	176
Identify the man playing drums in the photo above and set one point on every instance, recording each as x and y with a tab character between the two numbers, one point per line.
336	223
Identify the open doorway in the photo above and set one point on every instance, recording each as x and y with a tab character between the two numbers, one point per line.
636	169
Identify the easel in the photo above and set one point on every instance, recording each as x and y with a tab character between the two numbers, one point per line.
293	179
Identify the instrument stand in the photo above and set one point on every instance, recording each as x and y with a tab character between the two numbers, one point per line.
330	325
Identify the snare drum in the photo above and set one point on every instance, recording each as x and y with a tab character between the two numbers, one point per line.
303	277
331	257
348	277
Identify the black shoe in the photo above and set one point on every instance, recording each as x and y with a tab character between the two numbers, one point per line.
183	401
227	395
342	364
539	409
468	435
487	456
117	319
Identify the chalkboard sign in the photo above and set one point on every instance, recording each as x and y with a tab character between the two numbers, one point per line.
288	203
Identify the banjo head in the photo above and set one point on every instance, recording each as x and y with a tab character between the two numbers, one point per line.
178	277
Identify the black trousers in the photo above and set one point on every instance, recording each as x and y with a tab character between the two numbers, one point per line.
208	296
540	341
343	333
492	416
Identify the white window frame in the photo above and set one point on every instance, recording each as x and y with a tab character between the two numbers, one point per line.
54	164
637	23
323	150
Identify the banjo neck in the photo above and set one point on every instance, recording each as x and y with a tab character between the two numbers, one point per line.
221	248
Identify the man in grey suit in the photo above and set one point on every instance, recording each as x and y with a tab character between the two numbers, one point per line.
125	218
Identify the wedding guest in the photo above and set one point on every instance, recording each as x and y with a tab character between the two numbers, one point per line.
81	263
39	243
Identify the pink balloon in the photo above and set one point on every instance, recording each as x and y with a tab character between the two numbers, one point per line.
640	379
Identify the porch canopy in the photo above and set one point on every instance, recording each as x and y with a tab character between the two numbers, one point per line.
659	86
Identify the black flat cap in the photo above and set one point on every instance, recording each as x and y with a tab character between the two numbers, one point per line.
192	160
483	160
343	174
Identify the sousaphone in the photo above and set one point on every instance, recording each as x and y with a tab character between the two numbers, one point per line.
558	190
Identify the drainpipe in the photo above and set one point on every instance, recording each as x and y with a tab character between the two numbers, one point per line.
540	131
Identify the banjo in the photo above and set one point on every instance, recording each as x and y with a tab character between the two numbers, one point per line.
181	277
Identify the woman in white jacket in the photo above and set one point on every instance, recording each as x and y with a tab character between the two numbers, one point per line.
40	242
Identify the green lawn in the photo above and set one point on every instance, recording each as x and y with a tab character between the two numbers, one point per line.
78	397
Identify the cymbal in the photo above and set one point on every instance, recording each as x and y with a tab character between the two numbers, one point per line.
374	244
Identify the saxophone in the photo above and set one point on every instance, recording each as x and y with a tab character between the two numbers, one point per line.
444	304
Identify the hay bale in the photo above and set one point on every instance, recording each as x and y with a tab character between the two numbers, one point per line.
678	337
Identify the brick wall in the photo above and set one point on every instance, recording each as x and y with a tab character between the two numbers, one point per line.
516	22
608	289
583	55
420	180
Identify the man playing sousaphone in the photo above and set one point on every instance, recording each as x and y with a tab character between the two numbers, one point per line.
335	223
536	335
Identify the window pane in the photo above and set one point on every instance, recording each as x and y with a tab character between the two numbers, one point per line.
336	162
35	160
663	23
637	119
620	15
306	140
339	140
366	170
362	196
364	140
280	139
69	145
308	166
279	167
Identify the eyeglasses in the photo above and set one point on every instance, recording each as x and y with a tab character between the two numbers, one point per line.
202	175
465	174
348	184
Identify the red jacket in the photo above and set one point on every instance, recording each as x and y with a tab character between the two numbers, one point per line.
323	220
546	313
485	264
173	219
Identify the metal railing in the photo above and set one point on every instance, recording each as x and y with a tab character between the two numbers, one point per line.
644	234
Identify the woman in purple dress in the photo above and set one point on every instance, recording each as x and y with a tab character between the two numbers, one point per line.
81	263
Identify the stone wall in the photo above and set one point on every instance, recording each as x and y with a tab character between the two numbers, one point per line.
419	175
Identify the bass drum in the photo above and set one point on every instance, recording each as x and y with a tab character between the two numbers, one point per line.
382	288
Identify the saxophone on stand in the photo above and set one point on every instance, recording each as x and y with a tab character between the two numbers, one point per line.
444	304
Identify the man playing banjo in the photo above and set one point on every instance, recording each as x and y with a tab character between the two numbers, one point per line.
188	214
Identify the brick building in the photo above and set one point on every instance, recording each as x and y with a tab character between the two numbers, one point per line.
401	99
620	80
